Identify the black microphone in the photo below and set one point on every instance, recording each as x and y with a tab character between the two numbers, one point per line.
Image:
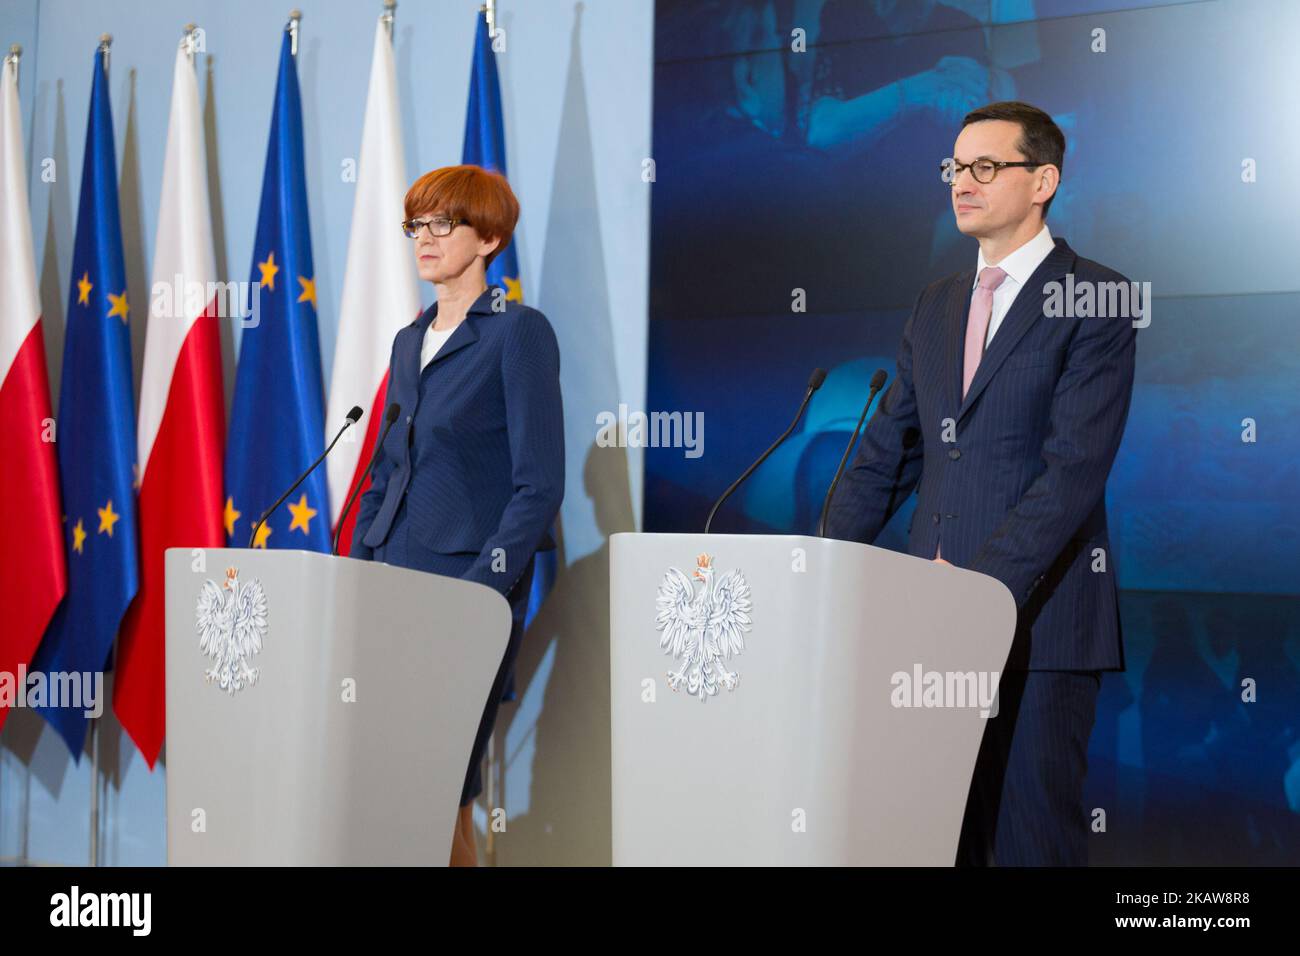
877	383
814	383
394	411
353	417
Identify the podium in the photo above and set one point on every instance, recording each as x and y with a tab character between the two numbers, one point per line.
845	731
320	710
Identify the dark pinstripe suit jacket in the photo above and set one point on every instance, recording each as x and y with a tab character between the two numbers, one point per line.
478	453
1013	478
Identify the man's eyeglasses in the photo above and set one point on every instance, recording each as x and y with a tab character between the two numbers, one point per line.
439	226
984	170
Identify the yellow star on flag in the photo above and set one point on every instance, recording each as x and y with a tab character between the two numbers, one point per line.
78	536
514	289
108	518
269	269
84	285
263	533
308	290
302	515
119	305
231	516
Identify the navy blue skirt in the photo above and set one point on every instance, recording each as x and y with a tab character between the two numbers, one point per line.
402	549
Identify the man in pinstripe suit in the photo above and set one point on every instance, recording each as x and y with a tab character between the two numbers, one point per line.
1005	416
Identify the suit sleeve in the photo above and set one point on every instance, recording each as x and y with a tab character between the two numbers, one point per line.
887	465
530	375
373	497
1089	409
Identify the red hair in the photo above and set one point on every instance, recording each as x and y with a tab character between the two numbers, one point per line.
479	195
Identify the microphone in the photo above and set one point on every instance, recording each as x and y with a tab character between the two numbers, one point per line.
877	383
394	411
814	383
353	417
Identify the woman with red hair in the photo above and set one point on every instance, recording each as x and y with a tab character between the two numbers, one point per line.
470	478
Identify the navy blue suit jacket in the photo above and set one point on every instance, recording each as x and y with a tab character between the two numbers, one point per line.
478	452
1013	478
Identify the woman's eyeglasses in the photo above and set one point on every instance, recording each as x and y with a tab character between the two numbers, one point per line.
439	226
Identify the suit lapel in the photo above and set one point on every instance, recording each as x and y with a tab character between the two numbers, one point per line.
1024	312
954	329
406	360
466	333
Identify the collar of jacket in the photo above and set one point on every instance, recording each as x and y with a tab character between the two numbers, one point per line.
465	333
481	306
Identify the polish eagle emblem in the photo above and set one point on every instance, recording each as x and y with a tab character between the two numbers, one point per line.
703	628
231	623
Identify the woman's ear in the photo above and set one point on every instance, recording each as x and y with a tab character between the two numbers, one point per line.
488	246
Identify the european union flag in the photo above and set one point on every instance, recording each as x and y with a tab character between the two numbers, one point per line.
277	423
485	145
95	438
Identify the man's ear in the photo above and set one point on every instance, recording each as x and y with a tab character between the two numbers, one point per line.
1049	180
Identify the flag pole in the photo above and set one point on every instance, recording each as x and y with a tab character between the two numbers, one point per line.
94	792
295	17
105	42
489	10
390	10
12	57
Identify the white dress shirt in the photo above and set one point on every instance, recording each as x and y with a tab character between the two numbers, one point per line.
434	339
1018	266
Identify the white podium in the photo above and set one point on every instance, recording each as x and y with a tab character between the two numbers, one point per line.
811	758
344	739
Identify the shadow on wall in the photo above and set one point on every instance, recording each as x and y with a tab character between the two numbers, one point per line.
554	750
58	223
31	745
552	747
225	329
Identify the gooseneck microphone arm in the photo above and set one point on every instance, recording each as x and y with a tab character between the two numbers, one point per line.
877	383
394	411
814	383
353	417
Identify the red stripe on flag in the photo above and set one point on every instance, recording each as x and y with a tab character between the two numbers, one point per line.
377	410
33	577
180	506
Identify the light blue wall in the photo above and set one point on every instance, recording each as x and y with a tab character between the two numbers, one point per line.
576	83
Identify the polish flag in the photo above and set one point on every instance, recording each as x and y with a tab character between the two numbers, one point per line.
33	578
181	423
380	295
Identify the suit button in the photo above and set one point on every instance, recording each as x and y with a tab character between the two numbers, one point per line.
954	454
408	419
936	517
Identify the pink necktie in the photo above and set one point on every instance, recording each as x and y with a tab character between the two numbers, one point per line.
977	328
977	323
